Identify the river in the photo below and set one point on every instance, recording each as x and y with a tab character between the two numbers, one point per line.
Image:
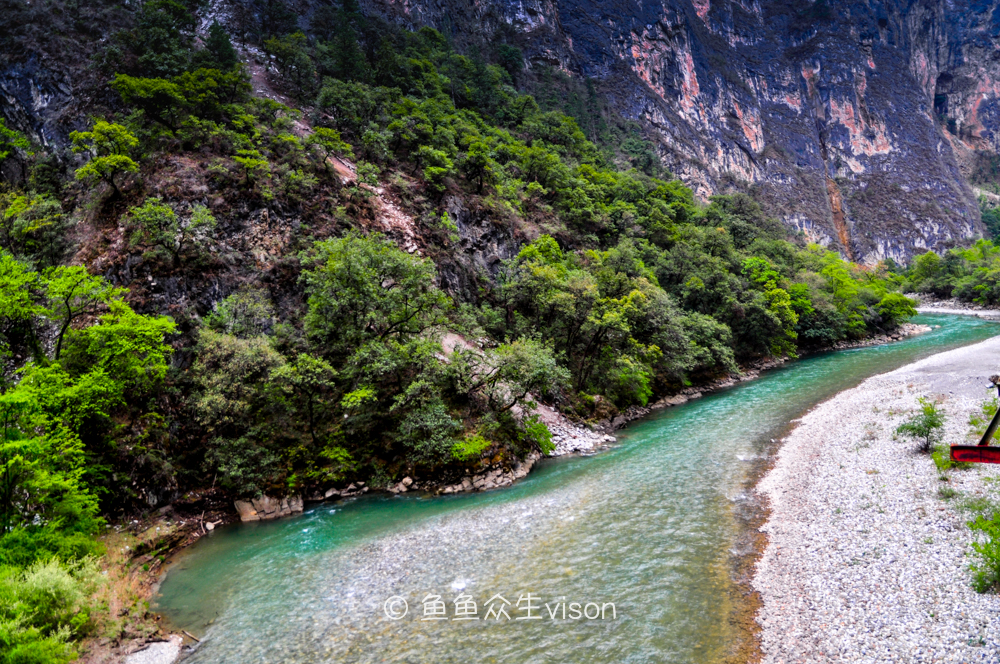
649	526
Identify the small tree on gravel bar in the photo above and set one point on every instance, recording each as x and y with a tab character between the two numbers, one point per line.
927	426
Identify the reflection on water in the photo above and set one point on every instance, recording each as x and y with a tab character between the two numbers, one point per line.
647	526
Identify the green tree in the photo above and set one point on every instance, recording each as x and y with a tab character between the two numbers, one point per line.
241	409
895	308
41	469
109	146
19	309
43	607
511	59
255	166
127	347
33	227
925	272
162	38
245	314
353	106
478	165
608	317
71	293
363	288
291	58
218	52
273	18
341	57
437	166
13	143
326	143
927	426
507	375
310	381
156	224
160	100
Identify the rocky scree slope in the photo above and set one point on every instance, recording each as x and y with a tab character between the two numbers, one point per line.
851	121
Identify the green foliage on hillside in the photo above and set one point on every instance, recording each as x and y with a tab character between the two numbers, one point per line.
971	274
631	289
74	420
43	609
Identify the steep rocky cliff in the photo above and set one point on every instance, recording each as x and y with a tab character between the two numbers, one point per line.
850	120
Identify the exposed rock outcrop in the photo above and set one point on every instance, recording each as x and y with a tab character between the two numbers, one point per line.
265	507
484	242
491	478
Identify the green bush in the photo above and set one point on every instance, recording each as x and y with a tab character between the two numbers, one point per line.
894	309
43	608
470	447
941	455
986	571
537	433
979	421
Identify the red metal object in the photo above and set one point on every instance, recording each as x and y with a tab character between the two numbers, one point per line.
981	453
975	453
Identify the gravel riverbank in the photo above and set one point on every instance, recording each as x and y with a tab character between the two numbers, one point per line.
930	305
866	560
159	652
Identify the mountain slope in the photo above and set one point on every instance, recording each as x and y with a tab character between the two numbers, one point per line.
848	120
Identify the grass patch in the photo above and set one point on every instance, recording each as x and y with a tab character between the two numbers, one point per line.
947	493
942	459
978	421
980	505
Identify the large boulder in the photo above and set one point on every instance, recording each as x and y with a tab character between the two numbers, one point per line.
264	507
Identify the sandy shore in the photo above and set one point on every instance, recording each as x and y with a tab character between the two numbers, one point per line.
866	560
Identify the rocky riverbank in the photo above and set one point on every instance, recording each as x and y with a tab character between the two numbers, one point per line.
866	559
572	438
932	305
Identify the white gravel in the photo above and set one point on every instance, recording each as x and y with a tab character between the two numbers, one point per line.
981	313
158	652
865	561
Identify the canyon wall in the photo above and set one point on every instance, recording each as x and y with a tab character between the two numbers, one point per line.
848	120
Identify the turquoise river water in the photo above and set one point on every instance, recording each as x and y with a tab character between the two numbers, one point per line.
649	526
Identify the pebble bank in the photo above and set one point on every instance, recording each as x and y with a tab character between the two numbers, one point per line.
867	561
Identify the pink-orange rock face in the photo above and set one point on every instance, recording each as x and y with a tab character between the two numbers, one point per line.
701	7
875	97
